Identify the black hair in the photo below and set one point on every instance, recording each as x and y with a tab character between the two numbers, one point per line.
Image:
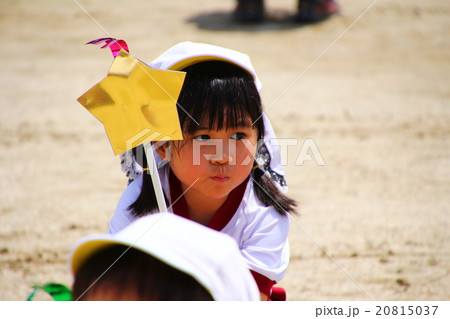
133	275
218	95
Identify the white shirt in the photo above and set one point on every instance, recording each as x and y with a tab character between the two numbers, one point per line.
260	232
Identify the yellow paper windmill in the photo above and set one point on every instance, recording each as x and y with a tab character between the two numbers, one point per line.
135	103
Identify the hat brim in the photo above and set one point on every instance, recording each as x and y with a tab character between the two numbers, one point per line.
84	250
198	59
187	53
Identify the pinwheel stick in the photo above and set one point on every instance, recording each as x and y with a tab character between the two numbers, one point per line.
153	171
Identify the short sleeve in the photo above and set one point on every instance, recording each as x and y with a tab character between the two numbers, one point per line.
266	248
122	216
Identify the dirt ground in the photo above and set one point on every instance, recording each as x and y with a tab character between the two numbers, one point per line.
371	92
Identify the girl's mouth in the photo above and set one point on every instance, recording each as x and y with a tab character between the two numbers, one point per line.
220	178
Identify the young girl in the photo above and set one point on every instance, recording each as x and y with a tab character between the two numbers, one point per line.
226	173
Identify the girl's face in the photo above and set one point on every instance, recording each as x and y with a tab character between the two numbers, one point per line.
213	162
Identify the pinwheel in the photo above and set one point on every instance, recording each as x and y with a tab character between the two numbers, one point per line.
137	105
113	44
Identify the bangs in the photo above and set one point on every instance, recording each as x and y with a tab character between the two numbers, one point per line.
218	95
225	105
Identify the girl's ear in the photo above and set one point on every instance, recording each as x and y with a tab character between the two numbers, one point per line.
163	151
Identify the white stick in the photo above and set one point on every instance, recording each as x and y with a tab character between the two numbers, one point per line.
153	170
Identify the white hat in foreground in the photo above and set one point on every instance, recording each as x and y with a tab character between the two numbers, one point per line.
210	257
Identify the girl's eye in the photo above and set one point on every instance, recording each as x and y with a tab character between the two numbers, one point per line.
201	138
238	136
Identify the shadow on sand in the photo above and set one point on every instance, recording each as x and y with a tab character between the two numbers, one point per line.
276	20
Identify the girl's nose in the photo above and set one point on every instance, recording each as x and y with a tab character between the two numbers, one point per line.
224	154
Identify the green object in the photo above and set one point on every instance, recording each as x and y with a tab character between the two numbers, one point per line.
59	292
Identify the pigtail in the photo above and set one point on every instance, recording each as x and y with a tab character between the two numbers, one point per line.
146	201
269	194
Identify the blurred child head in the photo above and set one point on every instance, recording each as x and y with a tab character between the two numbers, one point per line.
161	257
119	273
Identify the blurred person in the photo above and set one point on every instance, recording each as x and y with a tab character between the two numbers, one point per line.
309	11
161	257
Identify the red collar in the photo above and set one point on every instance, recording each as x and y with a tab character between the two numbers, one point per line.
223	215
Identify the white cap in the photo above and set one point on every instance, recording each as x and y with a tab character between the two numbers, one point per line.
210	257
188	53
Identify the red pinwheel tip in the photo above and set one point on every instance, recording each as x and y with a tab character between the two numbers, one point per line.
113	44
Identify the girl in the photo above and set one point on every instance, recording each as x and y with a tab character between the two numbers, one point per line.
225	173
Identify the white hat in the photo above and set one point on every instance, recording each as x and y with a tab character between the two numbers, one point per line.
188	53
210	257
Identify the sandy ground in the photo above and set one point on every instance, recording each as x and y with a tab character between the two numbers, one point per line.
373	96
